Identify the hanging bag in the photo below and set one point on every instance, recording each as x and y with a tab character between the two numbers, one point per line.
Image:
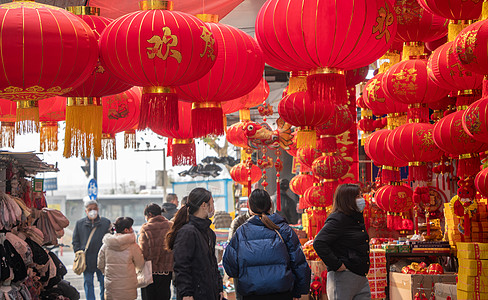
79	265
144	276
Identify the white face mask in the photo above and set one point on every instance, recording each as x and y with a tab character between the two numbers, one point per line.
92	214
361	203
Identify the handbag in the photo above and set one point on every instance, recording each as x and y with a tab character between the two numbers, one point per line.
79	265
144	276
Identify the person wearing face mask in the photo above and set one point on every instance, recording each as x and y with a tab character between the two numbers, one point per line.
193	244
83	228
343	245
120	258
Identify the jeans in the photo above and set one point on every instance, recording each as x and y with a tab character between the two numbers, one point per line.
160	289
347	285
90	288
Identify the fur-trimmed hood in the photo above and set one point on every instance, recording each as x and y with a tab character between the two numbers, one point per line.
119	241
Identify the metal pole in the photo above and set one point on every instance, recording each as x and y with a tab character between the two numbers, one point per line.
164	174
95	168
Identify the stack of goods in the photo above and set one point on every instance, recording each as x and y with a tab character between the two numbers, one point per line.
430	247
473	271
478	227
377	273
422	268
435	231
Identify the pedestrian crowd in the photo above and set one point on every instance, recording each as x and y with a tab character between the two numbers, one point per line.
264	255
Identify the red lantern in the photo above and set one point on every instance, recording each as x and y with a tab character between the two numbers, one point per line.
481	182
299	110
301	183
330	167
239	173
415	24
446	72
471	47
453	9
51	111
237	70
431	46
160	50
46	52
356	76
339	123
120	113
319	196
259	94
475	120
394	199
450	136
375	98
7	117
308	154
291	44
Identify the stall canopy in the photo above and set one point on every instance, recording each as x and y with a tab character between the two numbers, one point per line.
28	161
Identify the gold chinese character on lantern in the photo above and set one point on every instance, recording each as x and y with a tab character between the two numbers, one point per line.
209	40
384	20
372	88
163	46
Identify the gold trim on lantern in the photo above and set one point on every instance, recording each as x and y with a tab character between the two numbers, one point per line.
417	105
416	164
395	183
317	184
8	124
47	123
327	70
209	18
470	92
158	90
206	105
455	27
108	136
27	104
298	74
462	107
156	4
391	168
84	101
330	180
468	155
84	10
182	141
484	11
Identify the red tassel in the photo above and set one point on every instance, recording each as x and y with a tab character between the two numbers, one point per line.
389	221
327	143
207	120
183	153
159	110
278	195
418	173
468	166
330	87
170	147
390	174
302	203
249	184
443	183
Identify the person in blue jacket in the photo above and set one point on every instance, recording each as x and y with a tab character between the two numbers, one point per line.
265	255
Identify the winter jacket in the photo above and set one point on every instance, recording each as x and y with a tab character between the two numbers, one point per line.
118	259
236	223
263	263
344	239
151	240
169	210
81	233
195	268
289	207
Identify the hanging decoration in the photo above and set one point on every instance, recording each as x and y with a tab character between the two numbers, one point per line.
7	126
34	37
171	48
51	111
453	9
299	185
259	94
394	199
246	174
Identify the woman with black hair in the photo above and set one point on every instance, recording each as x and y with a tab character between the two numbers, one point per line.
193	243
119	259
151	240
343	245
265	255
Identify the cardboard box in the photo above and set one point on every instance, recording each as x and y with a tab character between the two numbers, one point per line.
444	290
473	267
472	250
463	295
405	286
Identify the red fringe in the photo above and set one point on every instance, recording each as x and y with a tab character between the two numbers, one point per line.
389	175
327	144
327	87
184	154
389	221
418	173
170	147
420	113
207	121
159	111
468	167
278	195
302	203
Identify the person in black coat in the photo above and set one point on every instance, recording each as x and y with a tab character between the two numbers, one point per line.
343	245
193	243
266	256
81	233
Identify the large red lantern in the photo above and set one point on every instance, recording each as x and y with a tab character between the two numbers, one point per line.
237	70
259	94
471	48
475	120
240	172
291	44
300	110
51	111
319	196
448	73
450	136
8	110
330	167
46	52
394	199
453	9
120	113
376	99
161	49
481	182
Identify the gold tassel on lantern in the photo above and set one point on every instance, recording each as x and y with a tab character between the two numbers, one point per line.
388	59
7	134
109	150
130	139
455	27
244	115
27	117
49	136
484	11
306	136
297	82
84	118
412	49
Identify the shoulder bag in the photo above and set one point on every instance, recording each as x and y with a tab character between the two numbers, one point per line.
79	265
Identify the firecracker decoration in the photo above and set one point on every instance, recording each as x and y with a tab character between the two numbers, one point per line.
279	167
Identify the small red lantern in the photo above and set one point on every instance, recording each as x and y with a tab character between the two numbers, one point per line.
453	9
51	111
259	94
308	154
319	196
394	199
471	48
300	110
161	49
375	98
339	123
299	185
475	120
239	174
481	182
8	110
330	167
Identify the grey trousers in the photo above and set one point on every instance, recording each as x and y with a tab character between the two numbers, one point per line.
346	285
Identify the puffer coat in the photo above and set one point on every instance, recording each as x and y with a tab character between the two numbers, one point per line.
264	263
119	259
151	240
